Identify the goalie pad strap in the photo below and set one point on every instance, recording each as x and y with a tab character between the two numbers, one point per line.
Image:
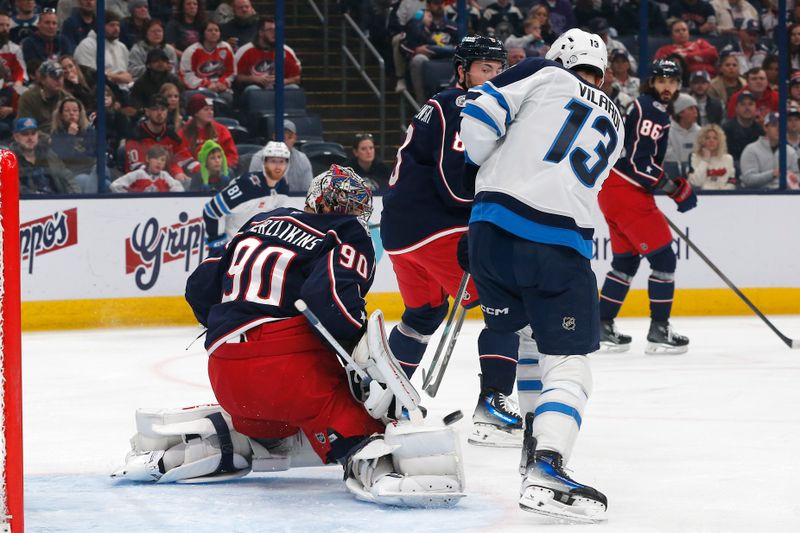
225	443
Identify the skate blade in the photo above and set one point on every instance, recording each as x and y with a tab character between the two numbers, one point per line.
491	436
610	347
655	348
540	500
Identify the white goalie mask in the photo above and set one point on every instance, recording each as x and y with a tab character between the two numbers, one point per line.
577	47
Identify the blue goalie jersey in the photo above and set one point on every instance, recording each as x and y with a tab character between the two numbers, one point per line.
278	257
427	197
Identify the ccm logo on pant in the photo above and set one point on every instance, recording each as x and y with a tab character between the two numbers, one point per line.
494	312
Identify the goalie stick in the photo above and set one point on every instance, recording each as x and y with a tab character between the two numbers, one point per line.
791	343
433	378
403	396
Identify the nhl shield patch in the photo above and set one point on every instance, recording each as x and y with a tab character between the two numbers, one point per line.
568	323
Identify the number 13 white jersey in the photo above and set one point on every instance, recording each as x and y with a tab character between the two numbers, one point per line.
545	141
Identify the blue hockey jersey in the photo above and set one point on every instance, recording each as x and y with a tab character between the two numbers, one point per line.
646	134
239	201
276	258
426	197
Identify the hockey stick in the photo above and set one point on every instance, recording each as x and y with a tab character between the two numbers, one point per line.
414	413
791	343
433	378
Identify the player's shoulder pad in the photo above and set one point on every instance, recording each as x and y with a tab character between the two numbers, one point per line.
523	69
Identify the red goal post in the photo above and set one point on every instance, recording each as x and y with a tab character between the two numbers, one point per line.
11	515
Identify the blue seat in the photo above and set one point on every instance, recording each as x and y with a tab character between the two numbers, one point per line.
257	102
309	127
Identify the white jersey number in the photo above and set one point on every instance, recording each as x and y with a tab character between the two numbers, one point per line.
246	260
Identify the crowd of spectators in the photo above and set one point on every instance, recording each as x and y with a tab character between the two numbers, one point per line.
727	50
167	65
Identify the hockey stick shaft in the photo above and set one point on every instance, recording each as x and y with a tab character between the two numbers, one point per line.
791	343
433	388
462	289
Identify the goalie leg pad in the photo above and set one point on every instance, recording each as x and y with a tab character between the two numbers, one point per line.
410	466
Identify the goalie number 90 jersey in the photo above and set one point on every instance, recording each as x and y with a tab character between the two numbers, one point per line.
545	141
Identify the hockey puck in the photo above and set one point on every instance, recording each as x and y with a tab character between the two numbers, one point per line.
453	417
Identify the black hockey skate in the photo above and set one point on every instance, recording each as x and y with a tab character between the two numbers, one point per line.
611	340
661	339
496	421
548	490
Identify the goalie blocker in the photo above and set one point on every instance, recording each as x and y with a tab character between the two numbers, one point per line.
409	465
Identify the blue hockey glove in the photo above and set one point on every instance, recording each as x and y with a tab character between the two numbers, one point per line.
216	247
462	252
683	194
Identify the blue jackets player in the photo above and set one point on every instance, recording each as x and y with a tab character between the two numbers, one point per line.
545	137
424	214
242	198
636	225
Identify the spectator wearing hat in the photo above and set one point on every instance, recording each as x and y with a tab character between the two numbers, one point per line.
154	129
532	42
209	63
134	26
243	27
760	160
710	110
40	169
363	161
711	165
214	171
758	86
24	18
299	174
600	27
504	19
153	38
621	67
46	43
186	26
728	79
793	126
747	50
41	99
158	71
697	14
202	127
80	22
743	129
698	54
794	89
255	61
116	53
733	14
561	17
683	131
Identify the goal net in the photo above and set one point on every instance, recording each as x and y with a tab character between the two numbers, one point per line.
11	397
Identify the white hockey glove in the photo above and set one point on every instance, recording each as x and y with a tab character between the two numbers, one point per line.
409	466
389	382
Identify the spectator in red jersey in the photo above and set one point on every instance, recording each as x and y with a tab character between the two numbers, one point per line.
698	54
728	80
151	177
697	14
758	86
209	63
154	129
11	58
185	28
255	61
202	127
153	38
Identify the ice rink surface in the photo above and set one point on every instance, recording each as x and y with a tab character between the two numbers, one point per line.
708	441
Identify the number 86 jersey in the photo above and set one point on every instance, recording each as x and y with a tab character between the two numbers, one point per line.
545	141
280	256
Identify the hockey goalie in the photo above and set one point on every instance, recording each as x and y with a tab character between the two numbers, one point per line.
285	399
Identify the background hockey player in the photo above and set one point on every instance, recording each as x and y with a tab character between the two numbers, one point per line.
544	138
636	225
245	196
275	377
425	212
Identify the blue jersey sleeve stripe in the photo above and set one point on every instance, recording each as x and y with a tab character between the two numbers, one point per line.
488	88
558	407
528	361
221	204
209	210
529	385
480	115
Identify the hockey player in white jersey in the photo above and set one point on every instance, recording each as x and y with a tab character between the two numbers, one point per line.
545	138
